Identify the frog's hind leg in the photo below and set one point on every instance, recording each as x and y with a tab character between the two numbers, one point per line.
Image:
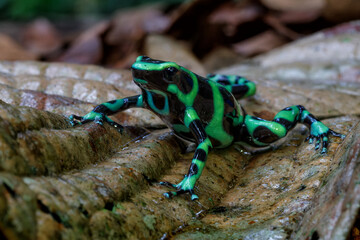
239	86
199	159
263	133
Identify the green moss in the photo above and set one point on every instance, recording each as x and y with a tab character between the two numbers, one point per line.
150	221
117	206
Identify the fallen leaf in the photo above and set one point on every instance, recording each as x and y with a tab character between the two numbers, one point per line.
10	50
345	28
260	43
41	37
334	210
219	58
281	28
183	17
70	89
203	35
128	29
277	188
235	14
161	47
341	10
131	25
85	51
286	5
88	47
298	17
320	47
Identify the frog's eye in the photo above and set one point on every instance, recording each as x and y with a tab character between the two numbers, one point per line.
170	72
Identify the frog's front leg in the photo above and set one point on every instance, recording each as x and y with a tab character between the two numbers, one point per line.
263	132
101	112
193	122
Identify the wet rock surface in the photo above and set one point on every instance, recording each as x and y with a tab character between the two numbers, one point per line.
90	181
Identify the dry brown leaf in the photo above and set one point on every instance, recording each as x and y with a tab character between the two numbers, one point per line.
162	47
86	51
333	211
314	72
235	14
183	17
88	47
344	10
10	50
276	188
41	37
298	17
338	44
70	89
128	29
294	5
260	43
280	28
131	25
219	58
190	22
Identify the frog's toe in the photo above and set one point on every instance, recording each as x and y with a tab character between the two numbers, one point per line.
99	120
168	194
173	193
194	197
75	120
323	140
336	134
310	138
116	125
325	144
181	191
168	184
317	143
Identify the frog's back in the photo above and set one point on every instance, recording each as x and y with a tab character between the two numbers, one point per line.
217	109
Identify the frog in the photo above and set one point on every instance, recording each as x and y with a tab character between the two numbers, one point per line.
205	111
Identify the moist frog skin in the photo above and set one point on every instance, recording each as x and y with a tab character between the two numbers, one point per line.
204	111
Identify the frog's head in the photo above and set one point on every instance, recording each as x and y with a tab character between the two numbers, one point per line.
151	74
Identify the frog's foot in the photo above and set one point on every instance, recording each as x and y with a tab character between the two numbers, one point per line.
75	119
101	118
320	132
186	185
98	118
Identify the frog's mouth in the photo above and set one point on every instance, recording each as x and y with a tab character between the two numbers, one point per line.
139	76
146	78
140	81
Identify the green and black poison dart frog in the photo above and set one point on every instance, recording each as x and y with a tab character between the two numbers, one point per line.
205	111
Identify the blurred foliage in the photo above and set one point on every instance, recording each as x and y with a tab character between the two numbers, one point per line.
29	9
